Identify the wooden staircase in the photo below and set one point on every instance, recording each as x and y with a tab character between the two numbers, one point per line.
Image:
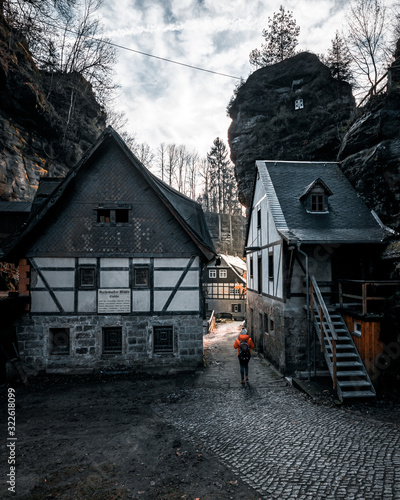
350	378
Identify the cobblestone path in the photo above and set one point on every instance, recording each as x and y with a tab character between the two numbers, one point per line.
281	444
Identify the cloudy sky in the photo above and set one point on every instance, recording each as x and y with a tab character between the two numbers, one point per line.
170	103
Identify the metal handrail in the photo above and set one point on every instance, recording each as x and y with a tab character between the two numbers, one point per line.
326	325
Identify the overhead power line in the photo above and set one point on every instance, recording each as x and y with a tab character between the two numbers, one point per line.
147	54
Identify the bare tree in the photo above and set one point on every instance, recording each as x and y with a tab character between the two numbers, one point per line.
144	154
162	159
366	41
65	36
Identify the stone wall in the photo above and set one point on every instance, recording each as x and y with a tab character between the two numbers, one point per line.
271	344
85	341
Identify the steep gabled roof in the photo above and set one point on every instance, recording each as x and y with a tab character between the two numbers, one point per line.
348	220
187	212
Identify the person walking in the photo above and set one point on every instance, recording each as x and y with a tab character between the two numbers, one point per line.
244	345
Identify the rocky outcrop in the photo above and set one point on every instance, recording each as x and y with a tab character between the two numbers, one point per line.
46	120
370	152
293	110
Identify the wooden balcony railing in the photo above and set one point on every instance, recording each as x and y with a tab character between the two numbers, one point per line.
364	292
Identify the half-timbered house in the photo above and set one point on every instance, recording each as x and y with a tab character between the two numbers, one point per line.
225	287
309	233
112	260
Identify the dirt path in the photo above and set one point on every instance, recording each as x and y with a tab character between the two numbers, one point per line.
100	438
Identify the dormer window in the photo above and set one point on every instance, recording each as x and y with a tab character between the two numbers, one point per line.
315	197
317	202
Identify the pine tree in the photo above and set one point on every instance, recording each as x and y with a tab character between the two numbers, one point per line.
339	60
281	38
222	190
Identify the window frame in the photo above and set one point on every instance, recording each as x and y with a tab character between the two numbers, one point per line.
87	267
57	331
141	268
317	203
212	273
157	347
223	273
114	213
236	308
108	330
271	267
259	218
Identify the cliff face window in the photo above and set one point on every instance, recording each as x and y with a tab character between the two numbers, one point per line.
298	104
163	339
112	340
141	277
87	277
59	341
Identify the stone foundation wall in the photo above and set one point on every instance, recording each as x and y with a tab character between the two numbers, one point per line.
86	343
270	342
286	345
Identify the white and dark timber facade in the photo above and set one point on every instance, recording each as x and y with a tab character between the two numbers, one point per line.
306	220
112	261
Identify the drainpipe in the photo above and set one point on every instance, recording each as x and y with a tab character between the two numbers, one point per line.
308	313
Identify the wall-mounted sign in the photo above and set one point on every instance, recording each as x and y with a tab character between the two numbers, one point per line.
114	301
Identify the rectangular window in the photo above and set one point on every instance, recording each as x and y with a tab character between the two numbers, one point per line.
141	277
59	341
271	326
104	215
236	308
163	338
112	340
266	323
259	218
87	276
251	268
223	273
212	273
271	267
122	216
357	329
317	203
113	215
259	273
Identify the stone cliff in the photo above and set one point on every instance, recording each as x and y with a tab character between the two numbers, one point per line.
370	152
41	132
293	110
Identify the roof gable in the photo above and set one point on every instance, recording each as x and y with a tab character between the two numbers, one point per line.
110	173
348	220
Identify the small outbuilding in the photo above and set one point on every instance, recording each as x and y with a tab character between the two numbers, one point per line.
225	287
